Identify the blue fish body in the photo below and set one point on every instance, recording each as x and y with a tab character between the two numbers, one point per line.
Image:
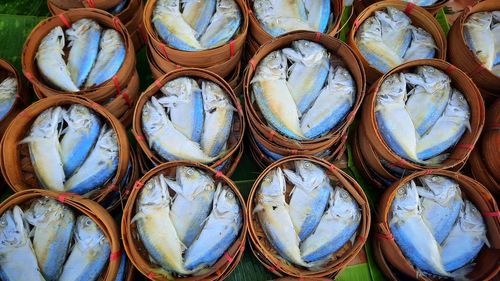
441	231
223	25
311	222
171	39
102	174
442	146
333	245
269	153
5	107
120	276
198	14
374	58
329	122
389	137
198	114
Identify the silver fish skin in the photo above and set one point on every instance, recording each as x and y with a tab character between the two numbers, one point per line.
8	90
308	73
395	26
448	129
190	208
197	13
281	16
155	228
412	234
17	257
90	252
84	36
318	14
428	100
44	147
496	36
332	105
272	211
270	89
99	167
372	46
218	118
82	131
441	201
109	59
218	233
165	139
184	101
50	61
422	3
422	45
480	38
223	25
338	224
53	225
393	120
496	70
465	239
309	196
172	28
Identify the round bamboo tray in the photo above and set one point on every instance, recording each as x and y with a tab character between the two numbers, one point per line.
462	57
84	206
338	49
100	4
15	160
237	129
480	172
98	93
261	37
204	58
138	255
487	261
419	18
490	141
433	9
22	94
460	152
265	253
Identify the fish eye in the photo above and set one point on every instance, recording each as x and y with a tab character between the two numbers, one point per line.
209	187
88	222
190	172
307	165
401	191
230	195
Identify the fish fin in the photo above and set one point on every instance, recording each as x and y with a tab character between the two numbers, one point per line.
485	239
174	186
467	125
293	177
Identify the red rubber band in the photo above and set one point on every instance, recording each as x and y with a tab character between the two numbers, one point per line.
62	197
164	50
399	163
294	152
218	163
362	239
218	175
64	20
114	256
228	257
492	214
138	185
409	8
219	272
178	66
317	37
252	64
116	82
29	75
231	49
271	135
91	3
158	84
127	99
117	24
355	24
151	275
451	68
384	236
331	168
140	138
465	146
428	172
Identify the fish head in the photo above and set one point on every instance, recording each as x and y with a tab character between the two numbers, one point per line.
111	37
225	201
107	140
155	192
393	89
422	36
434	79
153	116
13	229
342	204
371	29
47	124
457	106
480	20
442	189
400	19
272	67
214	97
406	199
8	88
87	232
341	78
177	91
311	53
471	219
193	181
54	39
79	116
80	27
172	6
273	184
44	210
312	174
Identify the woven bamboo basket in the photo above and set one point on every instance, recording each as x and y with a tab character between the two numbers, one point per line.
84	206
481	173
462	57
99	93
461	151
338	49
15	160
204	58
135	249
234	80
22	94
490	142
419	18
266	254
433	9
100	4
237	129
261	37
131	16
486	263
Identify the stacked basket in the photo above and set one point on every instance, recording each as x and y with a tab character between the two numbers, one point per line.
360	5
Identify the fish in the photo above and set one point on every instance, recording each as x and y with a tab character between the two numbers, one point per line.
50	61
441	201
109	59
412	234
184	101
53	225
396	29
393	120
308	72
165	139
274	156
428	100
465	240
120	276
197	13
193	202
332	105
448	129
99	167
422	45
44	148
336	227
82	131
219	231
223	25
172	28
272	212
309	197
119	8
479	37
155	228
318	14
281	16
372	47
90	253
496	70
270	89
17	257
8	90
84	37
218	118
496	37
422	3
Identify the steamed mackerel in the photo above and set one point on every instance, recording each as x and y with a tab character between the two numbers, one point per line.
197	13
281	16
395	27
480	38
422	45
318	14
223	25
8	90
